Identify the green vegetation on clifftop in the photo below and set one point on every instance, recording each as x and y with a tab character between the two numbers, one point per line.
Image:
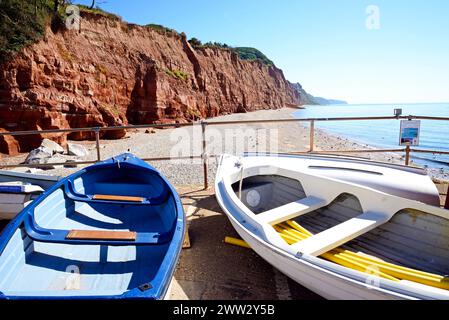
22	23
160	28
245	53
252	54
99	11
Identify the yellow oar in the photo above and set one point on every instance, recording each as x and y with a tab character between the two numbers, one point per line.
387	264
292	232
298	227
237	242
366	259
403	273
288	238
351	263
392	270
399	271
329	256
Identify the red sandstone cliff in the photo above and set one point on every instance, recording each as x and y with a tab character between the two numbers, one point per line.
111	73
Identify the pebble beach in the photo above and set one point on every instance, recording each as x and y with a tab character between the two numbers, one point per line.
228	138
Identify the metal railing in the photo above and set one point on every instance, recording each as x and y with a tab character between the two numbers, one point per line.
204	124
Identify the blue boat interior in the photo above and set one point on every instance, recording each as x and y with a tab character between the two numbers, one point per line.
40	258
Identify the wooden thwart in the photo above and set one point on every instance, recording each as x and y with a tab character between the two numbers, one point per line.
340	234
291	210
101	235
117	198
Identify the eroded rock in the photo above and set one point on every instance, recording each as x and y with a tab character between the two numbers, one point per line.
76	150
52	146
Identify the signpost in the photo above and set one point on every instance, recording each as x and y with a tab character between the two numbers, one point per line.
409	134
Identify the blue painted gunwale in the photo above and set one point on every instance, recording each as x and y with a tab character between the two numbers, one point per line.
160	282
11	189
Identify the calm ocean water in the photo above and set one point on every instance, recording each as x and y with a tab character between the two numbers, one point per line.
385	133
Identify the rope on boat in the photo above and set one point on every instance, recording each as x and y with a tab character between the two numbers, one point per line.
241	181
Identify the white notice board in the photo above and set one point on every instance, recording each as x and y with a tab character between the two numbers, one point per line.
410	130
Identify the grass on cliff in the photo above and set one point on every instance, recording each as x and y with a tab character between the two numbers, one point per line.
177	74
101	69
244	53
98	11
22	23
161	29
252	54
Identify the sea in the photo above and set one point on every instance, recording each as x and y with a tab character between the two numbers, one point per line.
384	134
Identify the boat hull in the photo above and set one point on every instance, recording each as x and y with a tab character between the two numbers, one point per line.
9	210
319	281
45	182
69	245
13	203
244	184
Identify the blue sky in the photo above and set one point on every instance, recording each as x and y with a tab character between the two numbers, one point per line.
324	44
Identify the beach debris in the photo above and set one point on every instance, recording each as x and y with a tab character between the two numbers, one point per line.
57	158
33	170
52	146
76	150
186	244
45	157
70	164
39	155
150	131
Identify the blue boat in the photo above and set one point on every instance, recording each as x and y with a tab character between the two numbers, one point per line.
113	230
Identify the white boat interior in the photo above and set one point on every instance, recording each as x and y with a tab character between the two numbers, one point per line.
385	212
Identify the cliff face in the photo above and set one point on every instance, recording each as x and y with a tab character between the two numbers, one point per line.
111	73
307	99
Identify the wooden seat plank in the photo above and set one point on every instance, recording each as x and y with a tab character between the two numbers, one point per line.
101	235
117	198
340	234
291	210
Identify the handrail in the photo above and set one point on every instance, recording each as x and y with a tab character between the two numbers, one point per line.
211	122
216	123
93	129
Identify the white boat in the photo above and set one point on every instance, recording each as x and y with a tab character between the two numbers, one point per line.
15	196
362	229
18	189
43	181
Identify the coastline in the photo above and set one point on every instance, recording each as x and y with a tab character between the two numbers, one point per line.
279	137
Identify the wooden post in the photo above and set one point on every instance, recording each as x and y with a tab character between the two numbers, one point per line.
97	142
312	135
446	205
407	154
204	155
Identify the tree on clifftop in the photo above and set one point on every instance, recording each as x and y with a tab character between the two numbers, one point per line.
194	42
